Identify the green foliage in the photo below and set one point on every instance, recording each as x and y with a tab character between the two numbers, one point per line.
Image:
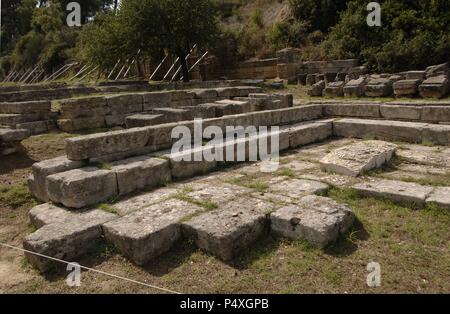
284	34
319	14
414	34
257	18
152	27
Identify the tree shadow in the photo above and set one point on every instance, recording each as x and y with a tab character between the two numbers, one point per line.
18	160
169	261
347	244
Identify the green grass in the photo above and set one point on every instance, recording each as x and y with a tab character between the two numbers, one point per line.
15	195
107	208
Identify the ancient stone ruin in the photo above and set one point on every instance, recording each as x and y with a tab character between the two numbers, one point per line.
128	188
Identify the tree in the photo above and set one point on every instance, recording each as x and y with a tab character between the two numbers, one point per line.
152	26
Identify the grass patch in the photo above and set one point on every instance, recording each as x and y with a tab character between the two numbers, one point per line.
107	208
286	172
16	195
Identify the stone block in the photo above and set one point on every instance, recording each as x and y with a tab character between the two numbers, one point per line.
434	87
355	88
396	191
352	110
309	133
435	114
334	89
82	187
231	228
316	219
394	112
357	159
140	172
102	144
43	169
381	87
142	120
78	124
406	88
67	240
440	197
317	89
146	234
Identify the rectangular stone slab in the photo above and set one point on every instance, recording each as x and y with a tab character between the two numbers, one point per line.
380	129
65	239
352	110
354	160
43	169
225	232
308	133
145	234
82	187
396	191
141	172
316	219
440	197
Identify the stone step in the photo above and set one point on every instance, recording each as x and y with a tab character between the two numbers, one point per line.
26	107
159	137
141	120
440	197
13	135
63	234
368	110
357	159
37	183
316	219
227	231
396	191
140	173
82	187
145	234
413	132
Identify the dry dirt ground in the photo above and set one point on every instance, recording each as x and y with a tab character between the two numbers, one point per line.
412	247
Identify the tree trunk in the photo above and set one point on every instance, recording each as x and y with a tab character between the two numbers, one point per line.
184	68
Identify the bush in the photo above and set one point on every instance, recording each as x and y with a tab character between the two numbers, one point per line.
414	35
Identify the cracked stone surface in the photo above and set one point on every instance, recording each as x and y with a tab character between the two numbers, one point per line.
231	228
397	191
316	219
354	160
147	233
441	197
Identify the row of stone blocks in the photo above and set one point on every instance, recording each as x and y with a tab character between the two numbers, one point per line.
145	234
34	116
434	87
433	112
109	111
75	184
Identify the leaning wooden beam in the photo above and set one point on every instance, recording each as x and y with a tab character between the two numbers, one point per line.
25	74
157	68
121	70
171	68
6	79
30	74
112	71
196	63
82	70
186	58
55	73
37	77
65	70
89	73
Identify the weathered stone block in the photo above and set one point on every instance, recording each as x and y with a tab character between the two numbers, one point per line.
394	112
141	172
142	120
440	197
67	240
379	129
82	187
434	87
436	134
78	124
145	234
406	88
225	232
305	134
317	89
357	159
316	219
352	110
355	88
334	89
396	191
43	169
436	113
122	104
381	87
101	144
